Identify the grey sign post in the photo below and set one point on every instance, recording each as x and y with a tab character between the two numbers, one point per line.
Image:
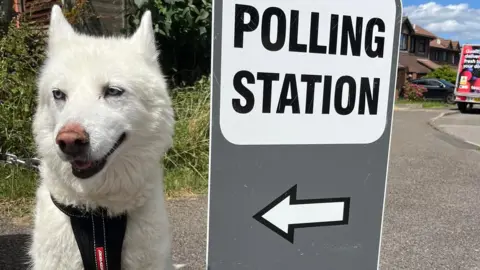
301	117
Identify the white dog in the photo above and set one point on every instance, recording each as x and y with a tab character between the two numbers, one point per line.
103	122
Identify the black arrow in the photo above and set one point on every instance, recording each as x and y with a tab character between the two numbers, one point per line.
283	216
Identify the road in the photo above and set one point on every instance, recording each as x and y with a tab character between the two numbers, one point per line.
431	217
462	126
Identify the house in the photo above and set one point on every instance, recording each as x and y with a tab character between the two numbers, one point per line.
102	16
422	52
35	10
445	52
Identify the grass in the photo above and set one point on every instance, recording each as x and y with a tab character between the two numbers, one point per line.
17	182
424	103
17	190
186	164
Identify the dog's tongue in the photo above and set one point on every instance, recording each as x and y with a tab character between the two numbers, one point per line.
82	164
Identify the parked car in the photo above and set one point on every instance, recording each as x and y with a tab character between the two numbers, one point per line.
437	89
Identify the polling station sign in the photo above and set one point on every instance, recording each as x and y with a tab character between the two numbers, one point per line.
330	68
301	116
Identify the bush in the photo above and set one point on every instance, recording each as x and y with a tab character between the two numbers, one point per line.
21	54
444	72
183	31
413	92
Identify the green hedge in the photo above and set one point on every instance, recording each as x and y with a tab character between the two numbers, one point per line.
22	52
183	33
445	72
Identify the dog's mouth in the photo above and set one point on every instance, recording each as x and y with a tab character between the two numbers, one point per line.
87	168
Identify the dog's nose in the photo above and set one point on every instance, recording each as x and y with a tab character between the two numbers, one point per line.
73	140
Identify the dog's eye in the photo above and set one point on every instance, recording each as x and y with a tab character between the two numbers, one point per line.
58	95
113	91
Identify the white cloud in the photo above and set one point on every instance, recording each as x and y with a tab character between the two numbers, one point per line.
448	26
457	21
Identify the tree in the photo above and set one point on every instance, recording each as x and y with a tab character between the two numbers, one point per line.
444	72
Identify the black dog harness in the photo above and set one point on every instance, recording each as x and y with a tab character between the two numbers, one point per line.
99	237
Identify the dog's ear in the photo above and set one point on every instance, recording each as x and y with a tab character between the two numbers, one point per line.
59	28
144	37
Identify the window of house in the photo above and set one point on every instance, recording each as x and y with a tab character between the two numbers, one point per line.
403	42
412	44
436	56
444	56
421	45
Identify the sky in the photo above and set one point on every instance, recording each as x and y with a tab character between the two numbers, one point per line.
451	19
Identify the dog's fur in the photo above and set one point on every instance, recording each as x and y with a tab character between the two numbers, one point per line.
132	180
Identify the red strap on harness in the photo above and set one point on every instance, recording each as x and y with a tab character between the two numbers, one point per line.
100	258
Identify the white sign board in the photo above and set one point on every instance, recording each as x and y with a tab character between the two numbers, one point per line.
338	65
